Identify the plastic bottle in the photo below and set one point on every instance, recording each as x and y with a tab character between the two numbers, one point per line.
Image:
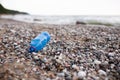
39	42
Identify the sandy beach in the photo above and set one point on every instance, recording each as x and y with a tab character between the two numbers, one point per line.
75	52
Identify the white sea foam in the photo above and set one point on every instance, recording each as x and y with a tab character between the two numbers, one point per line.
113	20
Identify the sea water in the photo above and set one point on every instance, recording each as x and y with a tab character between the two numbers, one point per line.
113	20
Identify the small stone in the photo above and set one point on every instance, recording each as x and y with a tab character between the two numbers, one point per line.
54	41
65	70
10	38
34	69
2	51
96	78
106	62
61	56
15	44
93	47
45	59
21	40
36	57
13	31
75	67
57	53
58	61
81	67
12	53
97	62
61	74
18	61
81	74
45	48
101	72
112	66
22	59
111	54
34	53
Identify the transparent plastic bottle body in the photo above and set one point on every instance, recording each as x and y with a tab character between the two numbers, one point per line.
39	42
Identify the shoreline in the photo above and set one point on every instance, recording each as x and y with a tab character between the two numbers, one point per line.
69	20
74	52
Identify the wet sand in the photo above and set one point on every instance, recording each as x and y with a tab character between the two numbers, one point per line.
85	52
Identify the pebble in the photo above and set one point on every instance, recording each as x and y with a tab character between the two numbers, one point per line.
81	74
15	44
61	74
81	67
75	67
45	48
34	53
36	57
112	66
13	31
93	47
61	56
34	69
97	62
2	51
101	72
111	54
65	70
21	40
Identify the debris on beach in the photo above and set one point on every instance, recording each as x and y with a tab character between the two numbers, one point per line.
74	52
39	42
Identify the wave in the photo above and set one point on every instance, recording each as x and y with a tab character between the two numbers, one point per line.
96	20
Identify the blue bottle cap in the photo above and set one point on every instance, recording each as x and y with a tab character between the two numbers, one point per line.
32	49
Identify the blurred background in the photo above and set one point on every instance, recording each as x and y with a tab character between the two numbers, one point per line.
104	12
65	7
